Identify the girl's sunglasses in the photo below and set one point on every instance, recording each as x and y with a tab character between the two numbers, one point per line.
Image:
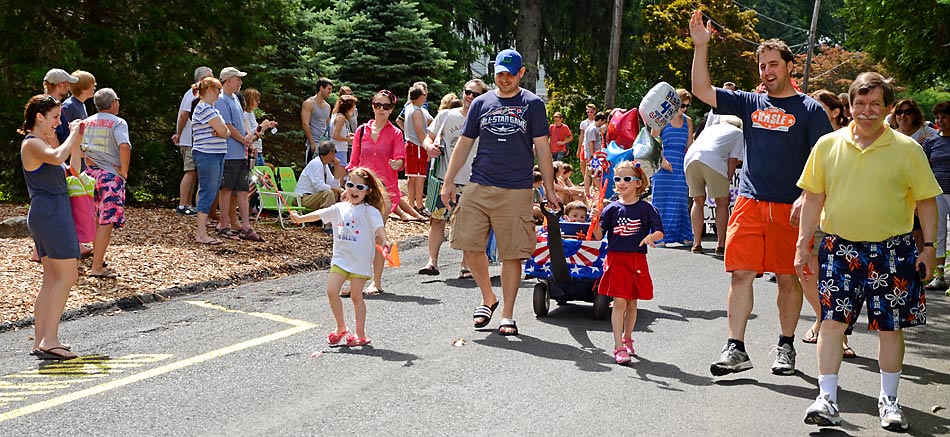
903	112
360	187
472	93
627	179
383	106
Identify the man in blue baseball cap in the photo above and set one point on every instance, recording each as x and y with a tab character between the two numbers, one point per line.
511	126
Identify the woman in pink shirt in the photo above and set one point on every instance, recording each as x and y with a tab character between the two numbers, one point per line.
379	146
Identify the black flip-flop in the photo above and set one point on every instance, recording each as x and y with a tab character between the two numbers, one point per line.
485	312
104	275
429	270
509	324
465	274
49	355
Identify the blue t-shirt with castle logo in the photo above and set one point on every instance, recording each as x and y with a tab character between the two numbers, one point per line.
779	134
505	128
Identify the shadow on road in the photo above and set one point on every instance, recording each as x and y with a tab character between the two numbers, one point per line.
385	354
407	298
588	360
647	369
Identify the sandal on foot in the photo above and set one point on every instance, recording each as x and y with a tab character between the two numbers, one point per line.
48	354
429	270
334	337
810	336
104	275
228	233
628	345
848	352
621	356
720	251
249	234
697	249
484	312
465	274
507	327
352	340
372	291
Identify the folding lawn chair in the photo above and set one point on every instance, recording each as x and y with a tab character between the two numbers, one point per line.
288	180
272	199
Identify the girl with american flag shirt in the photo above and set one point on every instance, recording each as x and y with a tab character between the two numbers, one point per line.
631	225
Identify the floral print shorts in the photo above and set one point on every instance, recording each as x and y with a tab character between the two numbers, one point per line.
883	274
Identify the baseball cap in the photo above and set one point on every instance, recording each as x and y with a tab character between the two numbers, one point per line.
508	61
57	75
229	72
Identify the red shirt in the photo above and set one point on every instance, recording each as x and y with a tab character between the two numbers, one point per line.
559	133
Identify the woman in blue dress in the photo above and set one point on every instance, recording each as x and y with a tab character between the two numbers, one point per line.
50	219
670	193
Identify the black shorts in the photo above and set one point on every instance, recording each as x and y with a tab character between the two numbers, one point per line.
235	176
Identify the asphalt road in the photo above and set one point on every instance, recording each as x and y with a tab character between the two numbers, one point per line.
252	360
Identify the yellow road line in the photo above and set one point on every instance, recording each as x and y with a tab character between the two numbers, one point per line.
298	327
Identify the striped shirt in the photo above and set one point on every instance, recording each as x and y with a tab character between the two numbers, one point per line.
204	139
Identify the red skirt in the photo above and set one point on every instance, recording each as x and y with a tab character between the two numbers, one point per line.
627	276
417	160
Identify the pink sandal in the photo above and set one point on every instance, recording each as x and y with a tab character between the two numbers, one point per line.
335	337
621	356
352	340
628	345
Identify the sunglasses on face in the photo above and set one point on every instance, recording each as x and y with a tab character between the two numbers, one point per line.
903	112
627	179
472	93
360	187
685	106
383	106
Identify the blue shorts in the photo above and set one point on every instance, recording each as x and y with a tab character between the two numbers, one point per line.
882	273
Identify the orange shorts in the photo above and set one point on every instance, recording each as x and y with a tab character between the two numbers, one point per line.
761	238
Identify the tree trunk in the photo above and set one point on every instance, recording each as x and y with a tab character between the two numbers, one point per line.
614	60
528	38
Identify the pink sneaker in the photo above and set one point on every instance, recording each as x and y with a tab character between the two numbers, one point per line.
352	340
628	345
621	356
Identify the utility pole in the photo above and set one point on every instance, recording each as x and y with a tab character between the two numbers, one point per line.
811	44
614	60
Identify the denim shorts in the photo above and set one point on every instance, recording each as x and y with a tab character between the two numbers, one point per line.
210	167
883	274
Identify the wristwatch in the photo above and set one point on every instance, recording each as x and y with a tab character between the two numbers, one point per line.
83	147
928	244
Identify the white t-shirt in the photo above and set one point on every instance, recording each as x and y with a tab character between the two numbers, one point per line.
715	145
186	100
316	177
354	235
250	119
447	128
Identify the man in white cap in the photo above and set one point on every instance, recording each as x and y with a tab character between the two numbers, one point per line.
182	139
235	177
511	126
108	153
56	83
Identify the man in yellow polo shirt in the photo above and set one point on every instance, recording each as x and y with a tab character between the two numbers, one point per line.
869	180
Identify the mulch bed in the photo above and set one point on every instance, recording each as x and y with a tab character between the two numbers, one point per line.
155	254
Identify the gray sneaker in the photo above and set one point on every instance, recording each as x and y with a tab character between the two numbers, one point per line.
892	418
784	363
823	412
732	360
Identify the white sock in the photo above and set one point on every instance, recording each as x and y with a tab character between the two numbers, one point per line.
889	382
828	384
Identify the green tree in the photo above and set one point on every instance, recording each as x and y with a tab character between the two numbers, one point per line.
380	44
834	68
910	38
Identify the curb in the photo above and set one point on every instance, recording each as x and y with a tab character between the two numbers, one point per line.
137	301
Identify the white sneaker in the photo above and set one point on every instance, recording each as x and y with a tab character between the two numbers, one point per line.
892	418
823	412
784	363
938	283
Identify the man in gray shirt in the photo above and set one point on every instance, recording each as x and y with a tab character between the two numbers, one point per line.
108	152
315	117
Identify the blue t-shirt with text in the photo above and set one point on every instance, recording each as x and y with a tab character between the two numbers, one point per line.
505	128
779	134
232	114
625	226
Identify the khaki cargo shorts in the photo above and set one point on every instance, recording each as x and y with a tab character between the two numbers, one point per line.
506	211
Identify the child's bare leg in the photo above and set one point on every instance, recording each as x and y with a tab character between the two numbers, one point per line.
630	317
359	305
334	283
617	320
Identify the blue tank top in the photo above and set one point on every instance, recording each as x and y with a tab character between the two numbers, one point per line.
48	179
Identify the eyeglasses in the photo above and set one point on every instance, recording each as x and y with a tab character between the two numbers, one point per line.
903	112
383	106
685	106
360	187
626	179
472	93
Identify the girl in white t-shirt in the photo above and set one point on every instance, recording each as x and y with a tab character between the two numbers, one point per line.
357	228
